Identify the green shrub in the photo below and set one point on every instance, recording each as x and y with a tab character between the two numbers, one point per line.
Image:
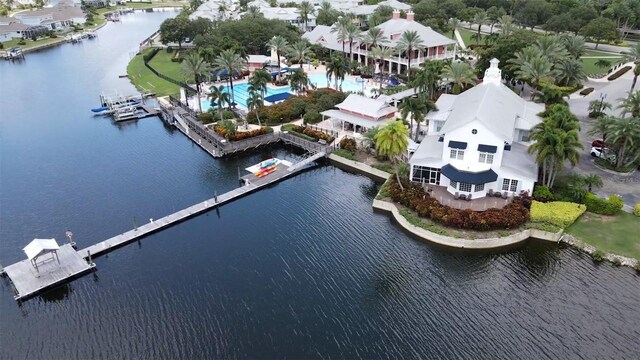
636	210
598	256
228	114
384	167
312	117
586	91
150	54
345	154
556	213
542	192
206	117
22	42
619	73
598	205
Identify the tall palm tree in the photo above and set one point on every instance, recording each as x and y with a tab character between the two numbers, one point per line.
352	34
453	24
381	53
428	77
408	42
506	25
392	141
336	69
553	147
278	44
574	45
460	74
299	81
570	72
592	181
299	51
253	12
372	38
232	62
418	107
523	57
194	67
630	104
634	55
341	29
306	9
221	97
480	18
535	71
625	133
259	80
255	103
552	47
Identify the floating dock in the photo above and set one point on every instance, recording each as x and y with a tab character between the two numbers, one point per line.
27	281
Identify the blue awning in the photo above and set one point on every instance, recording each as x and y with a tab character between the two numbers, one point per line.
487	148
277	97
457	144
222	73
454	174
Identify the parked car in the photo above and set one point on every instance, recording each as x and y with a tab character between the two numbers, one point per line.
597	143
607	154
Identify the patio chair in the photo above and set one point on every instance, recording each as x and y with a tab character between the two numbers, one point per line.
505	195
490	192
456	196
468	197
462	197
497	194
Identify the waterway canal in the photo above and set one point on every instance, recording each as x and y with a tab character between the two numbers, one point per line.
303	269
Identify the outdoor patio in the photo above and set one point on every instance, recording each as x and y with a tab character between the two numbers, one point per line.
441	194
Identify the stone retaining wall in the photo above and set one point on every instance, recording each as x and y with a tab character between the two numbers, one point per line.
489	243
359	167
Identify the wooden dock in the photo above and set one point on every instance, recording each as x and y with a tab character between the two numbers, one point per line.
27	281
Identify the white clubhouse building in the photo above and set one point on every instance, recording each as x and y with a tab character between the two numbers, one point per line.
435	45
477	141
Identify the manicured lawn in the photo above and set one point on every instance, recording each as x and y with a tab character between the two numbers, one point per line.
145	80
162	63
466	35
591	52
591	68
614	234
31	43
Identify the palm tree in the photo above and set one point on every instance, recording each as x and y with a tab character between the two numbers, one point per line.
299	81
601	126
634	55
536	70
381	53
374	37
341	28
259	80
574	45
570	72
460	74
254	102
597	107
592	181
409	42
392	141
278	44
553	147
194	67
352	34
454	24
222	10
418	107
523	57
306	9
428	77
506	25
253	12
480	18
551	47
218	95
625	133
630	104
299	51
232	62
336	68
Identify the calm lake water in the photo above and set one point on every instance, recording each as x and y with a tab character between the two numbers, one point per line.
303	269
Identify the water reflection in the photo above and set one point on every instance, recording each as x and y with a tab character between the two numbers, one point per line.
58	294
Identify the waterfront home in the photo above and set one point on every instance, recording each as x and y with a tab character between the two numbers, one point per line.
11	28
359	113
54	18
436	45
290	15
477	141
216	10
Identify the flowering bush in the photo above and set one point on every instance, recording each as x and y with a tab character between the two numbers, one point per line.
514	214
242	135
313	133
348	144
557	213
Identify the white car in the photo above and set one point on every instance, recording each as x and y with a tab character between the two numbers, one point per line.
608	154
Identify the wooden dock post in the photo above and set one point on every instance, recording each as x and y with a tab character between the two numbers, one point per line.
89	258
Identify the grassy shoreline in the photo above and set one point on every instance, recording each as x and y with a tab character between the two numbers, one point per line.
611	234
144	80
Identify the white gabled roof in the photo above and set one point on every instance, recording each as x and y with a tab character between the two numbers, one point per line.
323	36
429	37
495	106
373	108
38	247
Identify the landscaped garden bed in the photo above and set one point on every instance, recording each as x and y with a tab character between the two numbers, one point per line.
234	135
307	133
619	73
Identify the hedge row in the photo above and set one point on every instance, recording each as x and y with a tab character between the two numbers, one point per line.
513	215
149	55
317	135
598	205
557	213
242	135
619	73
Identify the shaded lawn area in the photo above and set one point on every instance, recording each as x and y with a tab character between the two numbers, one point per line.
146	81
615	234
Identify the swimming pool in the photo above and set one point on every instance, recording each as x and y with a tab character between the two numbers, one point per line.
318	80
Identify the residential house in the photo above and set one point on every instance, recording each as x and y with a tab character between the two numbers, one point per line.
11	28
436	46
477	141
54	18
290	15
359	113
